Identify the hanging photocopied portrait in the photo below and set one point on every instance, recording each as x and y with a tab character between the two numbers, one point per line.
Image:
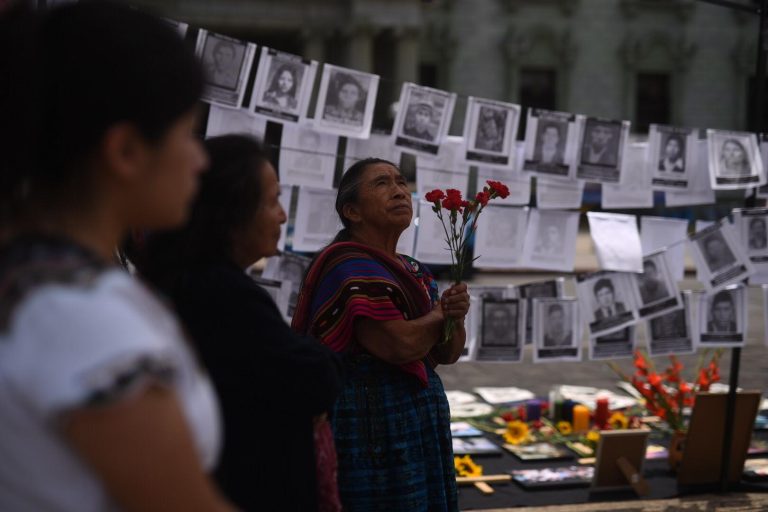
559	194
752	227
307	157
551	289
699	188
490	132
550	143
227	63
722	317
316	219
734	160
671	156
345	101
223	121
601	149
719	259
377	145
606	301
671	333
499	237
668	234
445	170
617	345
283	85
634	191
556	333
550	240
431	246
656	290
423	118
519	184
473	320
502	332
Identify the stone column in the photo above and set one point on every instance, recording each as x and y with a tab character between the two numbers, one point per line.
406	54
314	43
359	51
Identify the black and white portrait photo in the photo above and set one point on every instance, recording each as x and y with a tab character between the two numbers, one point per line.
601	150
547	135
345	101
606	301
672	156
501	330
283	85
651	285
670	148
555	335
227	62
734	160
720	260
551	289
670	334
656	288
490	131
722	317
423	117
307	157
717	254
757	236
550	240
287	267
615	345
753	223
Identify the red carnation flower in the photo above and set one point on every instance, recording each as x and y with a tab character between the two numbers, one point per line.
498	189
482	197
435	196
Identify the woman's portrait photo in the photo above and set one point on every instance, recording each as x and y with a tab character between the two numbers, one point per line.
223	59
550	143
284	81
491	126
672	153
734	160
345	98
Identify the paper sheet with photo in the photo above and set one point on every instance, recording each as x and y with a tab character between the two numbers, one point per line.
408	237
601	149
472	322
635	190
227	64
283	85
423	118
316	219
551	143
734	160
556	330
552	288
751	226
225	121
503	395
672	332
617	241
552	193
588	396
672	153
307	157
656	291
499	237
502	330
286	195
431	246
606	301
699	188
666	233
377	145
719	257
345	101
550	240
721	320
490	132
445	170
519	185
699	225
288	267
616	345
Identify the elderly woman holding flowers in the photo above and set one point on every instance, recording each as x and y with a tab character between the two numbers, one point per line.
382	312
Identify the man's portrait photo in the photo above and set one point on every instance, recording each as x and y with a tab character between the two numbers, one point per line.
601	143
670	325
672	153
757	237
605	298
223	59
549	148
651	285
716	252
491	128
722	313
500	324
421	121
557	325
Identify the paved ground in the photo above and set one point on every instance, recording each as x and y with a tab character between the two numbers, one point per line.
540	377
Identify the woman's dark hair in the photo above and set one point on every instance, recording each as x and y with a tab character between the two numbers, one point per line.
69	74
349	189
274	86
229	196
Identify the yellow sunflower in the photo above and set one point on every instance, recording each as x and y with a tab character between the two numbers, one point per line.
564	427
465	466
593	436
618	421
517	432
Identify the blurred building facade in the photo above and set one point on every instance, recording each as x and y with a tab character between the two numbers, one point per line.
680	62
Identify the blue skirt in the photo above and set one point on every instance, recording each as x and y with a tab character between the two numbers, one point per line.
393	440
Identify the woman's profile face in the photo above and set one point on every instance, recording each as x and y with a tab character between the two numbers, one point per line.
733	154
349	95
672	149
285	81
259	237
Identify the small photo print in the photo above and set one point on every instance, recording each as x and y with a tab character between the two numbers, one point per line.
753	223
501	333
601	150
542	289
227	62
719	259
734	160
656	288
539	452
345	101
606	301
571	476
556	335
490	132
722	318
547	142
423	118
671	152
283	85
670	333
617	345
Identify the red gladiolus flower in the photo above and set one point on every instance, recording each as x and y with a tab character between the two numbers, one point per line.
654	380
435	196
482	197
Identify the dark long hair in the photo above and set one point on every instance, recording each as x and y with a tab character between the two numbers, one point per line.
69	74
230	194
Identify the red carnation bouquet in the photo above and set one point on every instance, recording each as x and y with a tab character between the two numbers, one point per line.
462	218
